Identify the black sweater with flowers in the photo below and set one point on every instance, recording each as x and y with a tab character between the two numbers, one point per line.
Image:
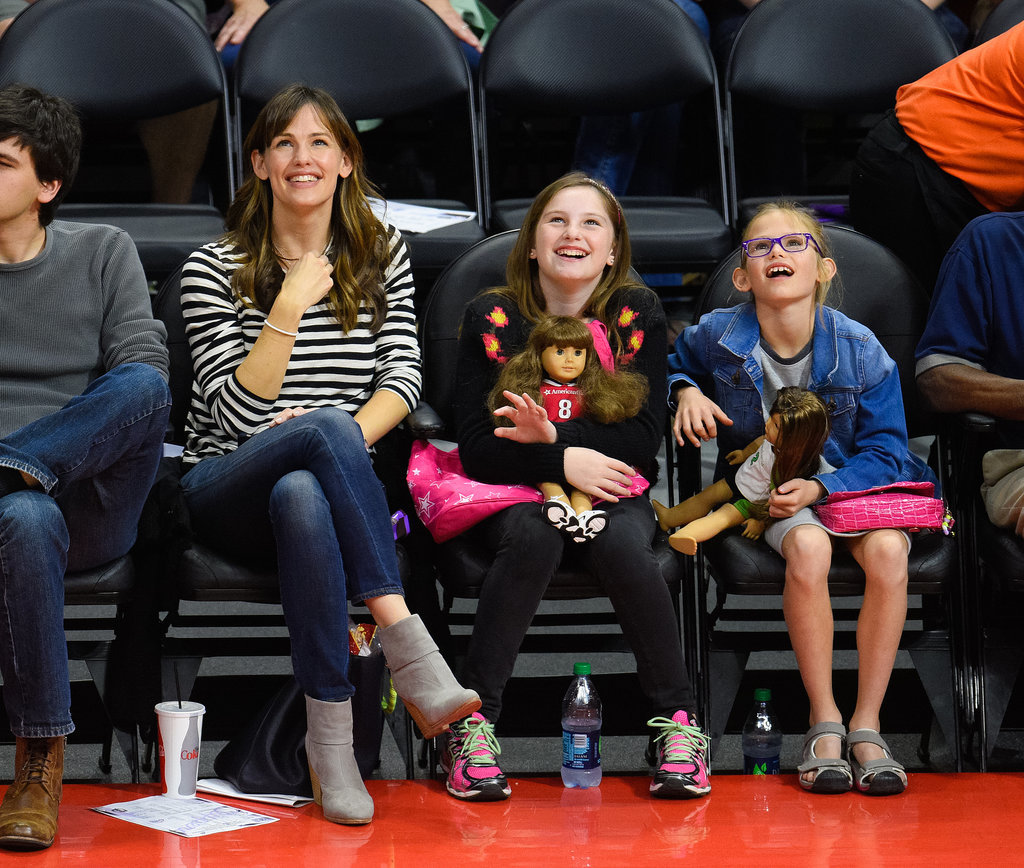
494	330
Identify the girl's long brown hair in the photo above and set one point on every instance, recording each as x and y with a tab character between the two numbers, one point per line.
358	240
607	397
523	285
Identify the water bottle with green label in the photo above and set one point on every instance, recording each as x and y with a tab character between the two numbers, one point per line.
762	737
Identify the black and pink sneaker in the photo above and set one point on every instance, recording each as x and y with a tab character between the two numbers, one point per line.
683	767
469	759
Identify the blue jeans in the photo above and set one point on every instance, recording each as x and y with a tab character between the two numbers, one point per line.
96	459
607	146
304	494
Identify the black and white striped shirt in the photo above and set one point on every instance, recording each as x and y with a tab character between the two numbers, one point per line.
328	367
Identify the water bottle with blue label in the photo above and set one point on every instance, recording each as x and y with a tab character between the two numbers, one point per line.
581	731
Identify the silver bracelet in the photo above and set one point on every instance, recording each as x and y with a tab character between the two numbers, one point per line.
280	330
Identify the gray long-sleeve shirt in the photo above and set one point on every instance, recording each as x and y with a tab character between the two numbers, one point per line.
78	309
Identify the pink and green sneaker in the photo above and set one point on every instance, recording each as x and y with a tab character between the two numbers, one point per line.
683	768
469	759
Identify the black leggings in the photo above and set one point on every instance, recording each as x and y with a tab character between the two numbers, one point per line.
527	552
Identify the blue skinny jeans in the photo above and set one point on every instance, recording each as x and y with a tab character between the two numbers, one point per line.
304	494
96	459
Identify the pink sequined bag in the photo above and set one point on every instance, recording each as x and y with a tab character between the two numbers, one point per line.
906	505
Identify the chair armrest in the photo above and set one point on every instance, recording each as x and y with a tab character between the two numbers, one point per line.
962	439
688	469
424	422
976	423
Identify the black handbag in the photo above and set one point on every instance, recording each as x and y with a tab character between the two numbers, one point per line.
268	755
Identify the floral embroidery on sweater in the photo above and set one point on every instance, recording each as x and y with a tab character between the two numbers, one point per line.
631	343
492	346
635	339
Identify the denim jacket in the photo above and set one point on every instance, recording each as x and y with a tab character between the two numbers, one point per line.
850	371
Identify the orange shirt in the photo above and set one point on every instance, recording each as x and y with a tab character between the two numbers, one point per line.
968	116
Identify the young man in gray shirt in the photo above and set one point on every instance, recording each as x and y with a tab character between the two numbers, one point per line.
83	409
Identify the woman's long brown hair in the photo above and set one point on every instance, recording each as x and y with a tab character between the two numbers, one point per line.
358	240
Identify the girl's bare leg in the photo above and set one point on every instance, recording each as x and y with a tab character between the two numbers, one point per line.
883	557
693	507
808	610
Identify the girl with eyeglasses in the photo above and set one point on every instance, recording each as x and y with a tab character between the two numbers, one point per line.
743	356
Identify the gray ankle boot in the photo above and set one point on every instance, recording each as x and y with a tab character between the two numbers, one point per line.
422	678
337	784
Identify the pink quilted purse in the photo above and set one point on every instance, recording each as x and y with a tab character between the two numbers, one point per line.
907	505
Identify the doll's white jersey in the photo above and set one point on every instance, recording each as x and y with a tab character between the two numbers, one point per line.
754	478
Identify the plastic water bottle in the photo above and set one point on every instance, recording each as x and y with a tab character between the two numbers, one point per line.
762	737
581	731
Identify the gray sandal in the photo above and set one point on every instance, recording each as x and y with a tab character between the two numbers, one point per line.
878	777
833	774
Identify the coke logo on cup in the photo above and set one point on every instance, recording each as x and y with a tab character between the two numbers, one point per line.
190	754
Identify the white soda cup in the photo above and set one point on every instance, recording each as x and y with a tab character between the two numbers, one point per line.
180	728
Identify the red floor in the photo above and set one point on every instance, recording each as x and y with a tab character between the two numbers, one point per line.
941	820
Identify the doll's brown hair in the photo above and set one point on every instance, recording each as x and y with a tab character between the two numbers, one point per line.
803	429
607	397
804	426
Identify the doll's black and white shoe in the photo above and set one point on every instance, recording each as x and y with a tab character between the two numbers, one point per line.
559	514
591	523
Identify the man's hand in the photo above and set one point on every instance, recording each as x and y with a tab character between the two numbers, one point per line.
244	15
444	10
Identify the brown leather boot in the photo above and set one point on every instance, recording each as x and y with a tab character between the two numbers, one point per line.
28	815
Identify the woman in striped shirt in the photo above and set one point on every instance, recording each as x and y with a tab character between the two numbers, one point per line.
301	326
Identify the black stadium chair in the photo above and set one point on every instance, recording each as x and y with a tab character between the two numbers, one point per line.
875	289
992	563
378	60
1009	13
577	57
120	60
816	74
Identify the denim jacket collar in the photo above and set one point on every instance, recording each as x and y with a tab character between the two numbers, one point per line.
742	333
